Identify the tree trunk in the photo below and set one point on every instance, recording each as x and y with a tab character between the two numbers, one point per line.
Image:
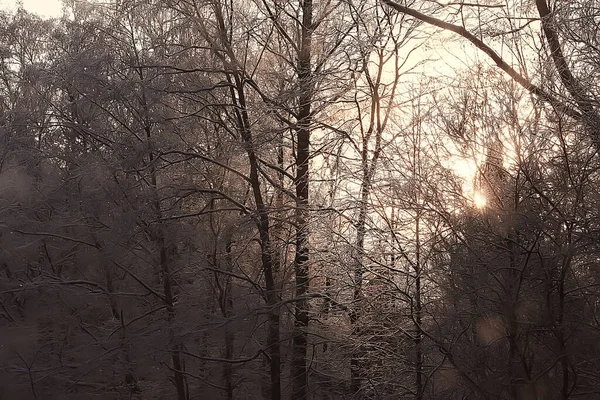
271	295
417	313
165	251
299	357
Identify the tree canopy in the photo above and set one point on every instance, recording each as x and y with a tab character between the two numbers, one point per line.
300	200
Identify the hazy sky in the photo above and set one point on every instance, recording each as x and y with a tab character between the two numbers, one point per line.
46	8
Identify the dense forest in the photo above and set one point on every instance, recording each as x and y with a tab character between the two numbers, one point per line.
312	199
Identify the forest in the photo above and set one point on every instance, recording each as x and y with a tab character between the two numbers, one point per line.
303	200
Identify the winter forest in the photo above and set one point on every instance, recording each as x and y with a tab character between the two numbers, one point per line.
304	200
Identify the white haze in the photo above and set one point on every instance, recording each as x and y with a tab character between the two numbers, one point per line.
44	8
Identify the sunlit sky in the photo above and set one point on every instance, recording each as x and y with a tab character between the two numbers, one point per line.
45	8
445	62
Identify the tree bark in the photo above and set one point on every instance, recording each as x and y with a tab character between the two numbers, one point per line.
301	260
272	298
165	251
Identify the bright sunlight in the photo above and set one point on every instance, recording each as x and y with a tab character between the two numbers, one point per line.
479	200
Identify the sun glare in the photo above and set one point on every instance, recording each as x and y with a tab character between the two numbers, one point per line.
479	200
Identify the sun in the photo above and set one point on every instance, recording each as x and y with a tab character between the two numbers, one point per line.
479	200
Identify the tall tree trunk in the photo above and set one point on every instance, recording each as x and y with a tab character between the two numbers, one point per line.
226	302
237	80
176	346
377	123
417	313
561	335
305	85
165	249
167	280
268	266
355	360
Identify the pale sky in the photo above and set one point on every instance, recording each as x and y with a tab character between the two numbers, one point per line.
45	8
